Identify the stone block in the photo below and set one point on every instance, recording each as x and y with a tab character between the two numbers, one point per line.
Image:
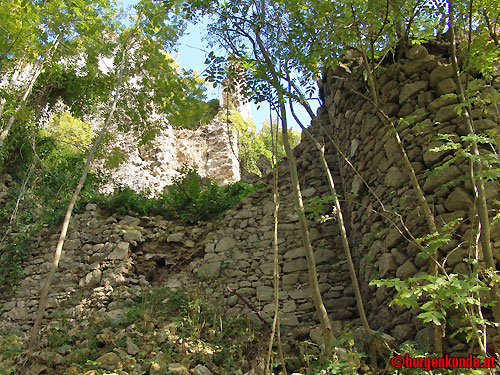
201	370
458	200
92	279
417	52
394	177
210	270
120	251
175	237
224	244
412	89
303	293
294	253
386	264
289	319
72	244
446	86
265	293
446	113
291	278
442	101
129	221
406	270
436	180
293	265
440	73
133	235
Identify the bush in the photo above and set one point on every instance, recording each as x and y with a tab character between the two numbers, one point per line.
190	198
124	199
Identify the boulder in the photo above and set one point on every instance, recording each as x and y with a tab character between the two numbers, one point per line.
201	370
129	221
109	361
132	348
133	236
177	369
92	279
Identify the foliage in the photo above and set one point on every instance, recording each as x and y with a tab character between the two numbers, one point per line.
253	143
250	146
438	295
315	209
348	358
10	354
73	132
198	113
192	198
49	171
266	136
124	199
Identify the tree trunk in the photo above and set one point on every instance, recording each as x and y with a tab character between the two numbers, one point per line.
48	281
431	224
306	240
485	230
325	323
345	243
276	320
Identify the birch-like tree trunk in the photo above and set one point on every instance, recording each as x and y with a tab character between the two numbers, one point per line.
62	237
477	182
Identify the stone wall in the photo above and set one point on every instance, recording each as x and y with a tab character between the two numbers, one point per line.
212	149
417	89
106	260
240	254
111	258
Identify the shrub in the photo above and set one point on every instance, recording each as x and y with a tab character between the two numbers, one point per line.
124	199
192	198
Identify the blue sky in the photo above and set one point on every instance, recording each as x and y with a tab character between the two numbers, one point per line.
192	51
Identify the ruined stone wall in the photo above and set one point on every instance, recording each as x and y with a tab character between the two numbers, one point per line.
108	259
417	89
212	149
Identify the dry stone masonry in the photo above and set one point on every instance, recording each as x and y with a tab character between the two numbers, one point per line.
212	149
417	89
